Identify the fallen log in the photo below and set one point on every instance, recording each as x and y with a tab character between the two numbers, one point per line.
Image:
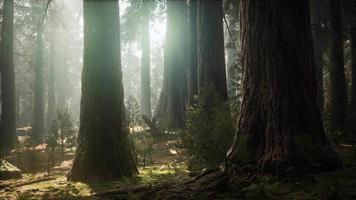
24	183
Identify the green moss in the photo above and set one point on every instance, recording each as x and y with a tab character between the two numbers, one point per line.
162	173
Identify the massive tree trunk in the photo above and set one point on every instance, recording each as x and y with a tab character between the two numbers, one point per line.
102	152
171	107
51	110
38	118
192	53
145	65
279	128
211	57
8	94
338	98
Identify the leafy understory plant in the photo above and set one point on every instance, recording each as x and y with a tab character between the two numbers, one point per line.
209	130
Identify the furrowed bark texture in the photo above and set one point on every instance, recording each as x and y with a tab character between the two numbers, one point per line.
279	128
102	151
211	58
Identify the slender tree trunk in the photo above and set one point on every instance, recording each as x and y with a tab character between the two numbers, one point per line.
279	128
51	110
353	67
102	152
230	51
18	110
61	78
145	66
231	44
319	64
27	108
38	118
338	98
211	58
193	50
171	109
319	46
62	142
8	114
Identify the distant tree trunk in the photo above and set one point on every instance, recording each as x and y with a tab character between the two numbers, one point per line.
230	50
231	44
27	107
338	98
102	152
211	57
160	114
319	46
192	53
18	111
61	75
319	64
171	108
353	66
8	114
279	128
51	110
145	65
38	118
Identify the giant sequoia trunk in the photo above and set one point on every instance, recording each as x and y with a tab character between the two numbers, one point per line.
102	152
338	98
8	114
145	65
192	53
279	127
171	107
211	58
38	118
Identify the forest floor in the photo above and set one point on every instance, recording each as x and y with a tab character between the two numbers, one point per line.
166	177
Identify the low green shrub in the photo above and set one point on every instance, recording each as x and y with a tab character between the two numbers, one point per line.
209	130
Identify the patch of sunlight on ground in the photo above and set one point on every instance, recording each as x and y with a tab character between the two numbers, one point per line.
60	188
163	172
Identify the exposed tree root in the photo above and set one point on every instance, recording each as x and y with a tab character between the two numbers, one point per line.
208	184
